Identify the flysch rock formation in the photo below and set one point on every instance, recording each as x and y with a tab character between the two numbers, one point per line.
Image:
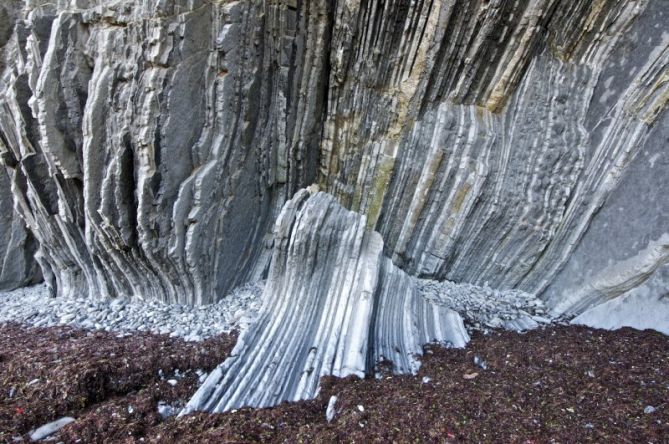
333	305
151	143
17	245
514	145
481	142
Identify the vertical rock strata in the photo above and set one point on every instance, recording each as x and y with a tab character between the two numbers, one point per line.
149	148
151	143
471	134
333	305
17	245
18	267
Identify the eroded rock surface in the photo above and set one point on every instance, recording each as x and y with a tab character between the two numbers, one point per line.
152	143
482	145
513	145
18	267
17	244
332	305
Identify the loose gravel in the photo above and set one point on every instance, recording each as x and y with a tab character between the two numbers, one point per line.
32	306
484	308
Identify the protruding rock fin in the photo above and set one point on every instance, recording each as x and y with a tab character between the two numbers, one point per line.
333	305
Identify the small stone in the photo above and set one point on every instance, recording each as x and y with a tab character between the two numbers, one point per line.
201	375
426	379
480	362
166	410
330	411
361	408
50	428
67	318
649	409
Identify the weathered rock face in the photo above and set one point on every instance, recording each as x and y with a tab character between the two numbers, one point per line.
153	143
333	305
482	141
17	245
517	143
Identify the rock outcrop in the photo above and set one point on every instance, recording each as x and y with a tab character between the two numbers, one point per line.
482	140
153	143
333	305
18	267
17	245
518	145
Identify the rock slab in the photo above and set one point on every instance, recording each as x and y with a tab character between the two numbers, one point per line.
333	305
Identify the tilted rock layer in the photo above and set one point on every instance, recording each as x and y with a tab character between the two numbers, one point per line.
333	305
520	144
152	143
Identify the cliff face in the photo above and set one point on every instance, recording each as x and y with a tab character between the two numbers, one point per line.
482	145
516	143
17	244
154	143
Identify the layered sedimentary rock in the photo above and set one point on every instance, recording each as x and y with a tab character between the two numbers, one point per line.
333	305
482	140
17	245
152	143
18	267
518	144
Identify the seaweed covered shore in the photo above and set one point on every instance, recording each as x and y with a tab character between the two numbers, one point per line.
562	384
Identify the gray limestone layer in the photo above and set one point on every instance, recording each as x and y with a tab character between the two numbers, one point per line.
332	305
483	141
17	245
514	145
150	144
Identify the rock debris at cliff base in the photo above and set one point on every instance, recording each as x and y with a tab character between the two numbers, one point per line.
150	146
481	308
567	384
34	306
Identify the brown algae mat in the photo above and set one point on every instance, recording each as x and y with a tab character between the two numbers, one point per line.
559	384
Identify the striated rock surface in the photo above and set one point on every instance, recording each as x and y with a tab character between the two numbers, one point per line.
18	267
516	146
151	145
483	139
333	305
17	245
